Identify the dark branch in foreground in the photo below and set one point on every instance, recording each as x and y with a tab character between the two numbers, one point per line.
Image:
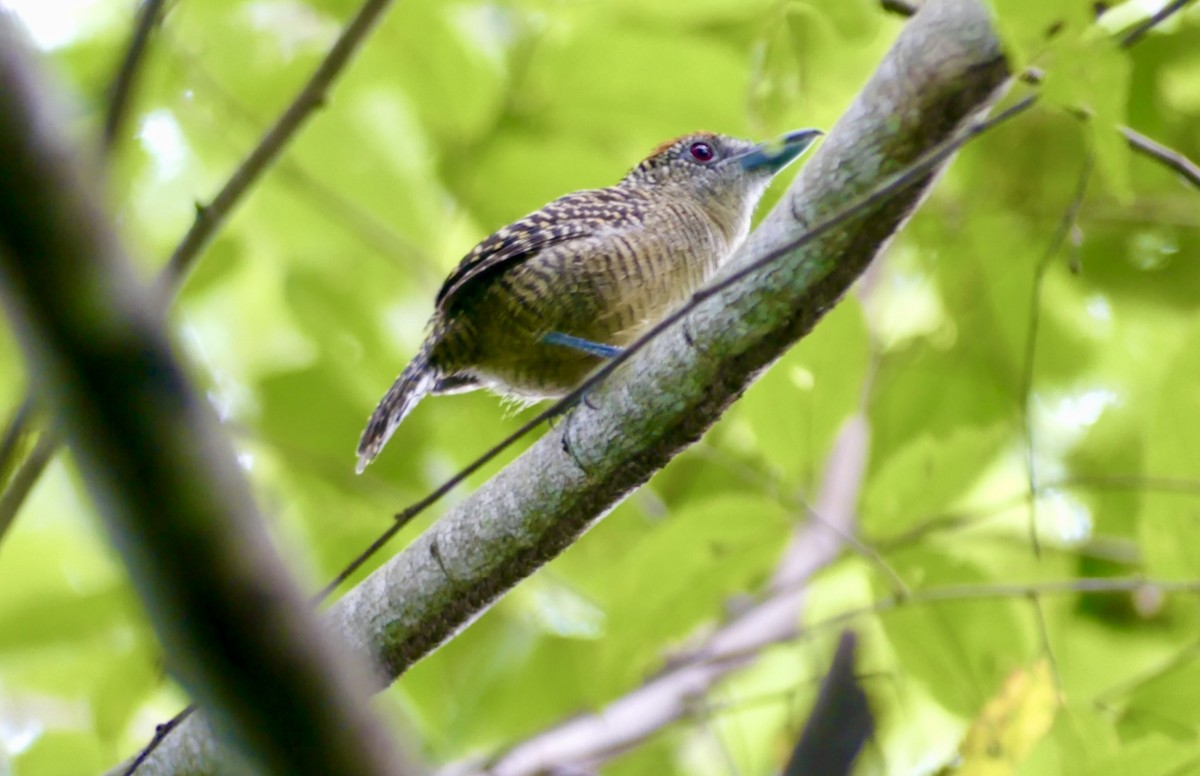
945	68
235	630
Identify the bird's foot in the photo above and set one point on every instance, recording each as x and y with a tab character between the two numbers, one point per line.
579	343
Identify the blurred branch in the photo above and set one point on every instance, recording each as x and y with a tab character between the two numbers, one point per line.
121	91
584	742
13	438
1163	155
209	218
236	632
24	478
1132	37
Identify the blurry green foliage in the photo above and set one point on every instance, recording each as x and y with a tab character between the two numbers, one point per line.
460	116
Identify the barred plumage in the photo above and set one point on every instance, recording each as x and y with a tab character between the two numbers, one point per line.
534	307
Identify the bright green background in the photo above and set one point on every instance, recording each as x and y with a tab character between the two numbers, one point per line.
460	116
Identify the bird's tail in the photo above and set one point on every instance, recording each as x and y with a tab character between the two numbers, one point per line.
413	384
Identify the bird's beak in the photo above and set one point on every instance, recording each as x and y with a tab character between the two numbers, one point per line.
773	155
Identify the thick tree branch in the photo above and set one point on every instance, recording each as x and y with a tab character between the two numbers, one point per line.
945	69
236	632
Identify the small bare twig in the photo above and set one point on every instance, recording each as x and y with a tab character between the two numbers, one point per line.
211	216
1065	225
1164	155
121	91
24	478
1137	33
14	432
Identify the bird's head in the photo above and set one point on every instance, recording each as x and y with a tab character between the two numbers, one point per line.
726	172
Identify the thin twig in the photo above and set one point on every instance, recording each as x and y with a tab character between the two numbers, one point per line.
24	478
1065	225
14	432
332	204
160	733
890	186
211	216
949	521
987	592
121	91
1162	154
1138	32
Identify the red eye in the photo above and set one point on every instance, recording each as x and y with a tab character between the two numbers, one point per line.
702	152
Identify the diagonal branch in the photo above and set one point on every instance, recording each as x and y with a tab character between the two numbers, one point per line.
121	91
1132	37
945	68
210	217
1168	157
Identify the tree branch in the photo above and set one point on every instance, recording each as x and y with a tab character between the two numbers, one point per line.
121	91
1132	37
1168	157
210	217
237	633
945	68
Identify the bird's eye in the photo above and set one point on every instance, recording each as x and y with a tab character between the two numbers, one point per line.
702	152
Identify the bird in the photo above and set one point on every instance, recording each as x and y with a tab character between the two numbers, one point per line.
542	302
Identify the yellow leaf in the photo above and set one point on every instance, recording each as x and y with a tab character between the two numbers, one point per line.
1011	723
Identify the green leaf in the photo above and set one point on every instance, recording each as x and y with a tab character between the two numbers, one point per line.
1028	27
1092	74
961	651
926	477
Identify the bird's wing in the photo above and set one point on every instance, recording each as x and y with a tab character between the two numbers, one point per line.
573	217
